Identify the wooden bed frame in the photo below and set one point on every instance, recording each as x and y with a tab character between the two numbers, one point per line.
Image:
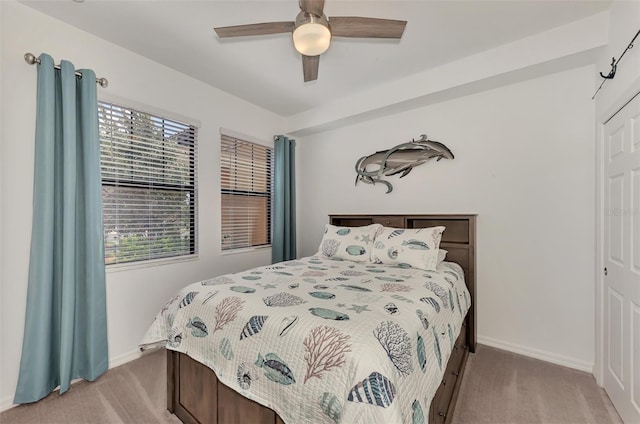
195	395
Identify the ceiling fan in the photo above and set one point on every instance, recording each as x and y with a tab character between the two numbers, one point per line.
312	32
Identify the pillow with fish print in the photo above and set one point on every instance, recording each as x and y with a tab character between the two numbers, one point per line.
348	243
414	247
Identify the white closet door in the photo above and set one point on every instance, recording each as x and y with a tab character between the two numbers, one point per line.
621	228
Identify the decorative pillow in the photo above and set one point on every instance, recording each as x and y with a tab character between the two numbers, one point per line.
417	247
442	255
348	243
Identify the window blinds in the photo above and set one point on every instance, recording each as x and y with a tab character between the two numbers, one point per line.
246	176
149	180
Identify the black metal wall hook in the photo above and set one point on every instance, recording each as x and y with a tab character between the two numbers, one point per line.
612	72
614	65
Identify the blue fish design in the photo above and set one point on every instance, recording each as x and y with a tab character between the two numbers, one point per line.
225	349
378	245
320	287
453	307
448	280
351	273
415	244
288	274
376	389
395	233
376	270
422	355
354	288
198	327
390	279
438	291
418	414
337	279
329	314
242	289
400	297
187	299
275	369
251	277
436	347
253	326
343	231
458	300
283	299
322	295
452	273
431	301
423	319
356	250
451	338
331	406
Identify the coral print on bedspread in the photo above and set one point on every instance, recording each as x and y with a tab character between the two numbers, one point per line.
321	340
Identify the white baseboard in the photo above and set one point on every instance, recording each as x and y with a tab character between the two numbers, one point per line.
124	358
543	355
7	403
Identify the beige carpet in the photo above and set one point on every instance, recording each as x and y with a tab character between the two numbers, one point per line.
498	388
505	388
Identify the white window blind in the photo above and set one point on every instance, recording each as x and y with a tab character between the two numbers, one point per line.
245	175
149	183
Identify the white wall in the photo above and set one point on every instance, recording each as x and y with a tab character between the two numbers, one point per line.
624	22
133	296
525	164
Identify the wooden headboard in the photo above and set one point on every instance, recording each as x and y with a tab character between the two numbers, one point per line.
459	240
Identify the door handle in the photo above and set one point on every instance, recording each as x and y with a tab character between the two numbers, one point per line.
605	271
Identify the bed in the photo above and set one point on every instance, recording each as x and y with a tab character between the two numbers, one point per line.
335	320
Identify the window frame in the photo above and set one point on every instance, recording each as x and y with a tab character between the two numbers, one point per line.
158	115
269	150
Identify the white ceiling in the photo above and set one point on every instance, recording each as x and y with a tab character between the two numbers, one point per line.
267	71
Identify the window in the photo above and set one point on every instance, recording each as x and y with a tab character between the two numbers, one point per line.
245	175
148	166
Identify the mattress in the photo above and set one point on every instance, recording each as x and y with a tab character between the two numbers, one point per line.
321	340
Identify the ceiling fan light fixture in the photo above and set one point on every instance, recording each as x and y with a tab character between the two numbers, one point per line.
312	36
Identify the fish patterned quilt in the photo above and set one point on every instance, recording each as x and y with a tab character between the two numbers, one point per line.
320	340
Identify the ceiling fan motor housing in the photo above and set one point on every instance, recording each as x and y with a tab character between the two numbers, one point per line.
312	34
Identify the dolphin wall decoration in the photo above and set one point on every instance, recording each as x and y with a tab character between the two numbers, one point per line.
399	159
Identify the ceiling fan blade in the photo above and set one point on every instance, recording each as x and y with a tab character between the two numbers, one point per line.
310	66
355	26
315	7
255	29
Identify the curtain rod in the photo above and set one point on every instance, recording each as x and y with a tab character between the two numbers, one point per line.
32	60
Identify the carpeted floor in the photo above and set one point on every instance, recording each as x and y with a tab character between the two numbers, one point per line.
498	387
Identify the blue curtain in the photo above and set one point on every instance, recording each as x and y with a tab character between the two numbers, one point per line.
65	332
283	242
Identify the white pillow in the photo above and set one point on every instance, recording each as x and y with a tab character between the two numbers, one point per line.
348	243
442	255
417	247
